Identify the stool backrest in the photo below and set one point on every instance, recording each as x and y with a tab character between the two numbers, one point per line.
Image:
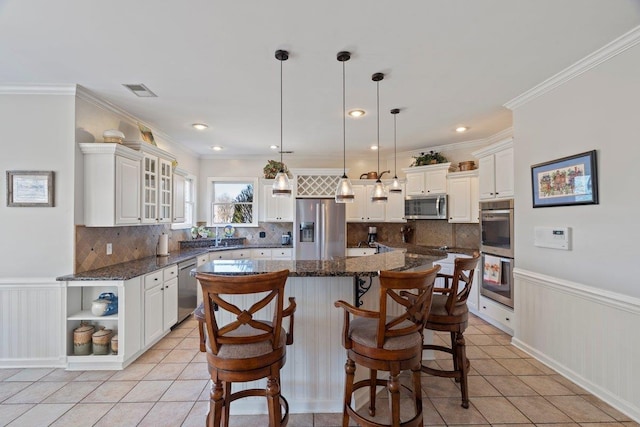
413	291
244	329
461	282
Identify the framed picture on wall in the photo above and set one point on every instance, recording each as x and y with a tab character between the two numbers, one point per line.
30	188
570	180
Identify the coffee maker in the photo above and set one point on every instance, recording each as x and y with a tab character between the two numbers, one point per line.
373	235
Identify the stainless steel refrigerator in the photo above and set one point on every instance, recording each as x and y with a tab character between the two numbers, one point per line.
320	231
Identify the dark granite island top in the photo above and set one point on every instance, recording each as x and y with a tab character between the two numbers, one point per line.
343	266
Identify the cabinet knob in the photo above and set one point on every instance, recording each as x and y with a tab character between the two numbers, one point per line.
506	318
484	307
156	279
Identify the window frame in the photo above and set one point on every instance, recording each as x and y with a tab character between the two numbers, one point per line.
189	222
232	179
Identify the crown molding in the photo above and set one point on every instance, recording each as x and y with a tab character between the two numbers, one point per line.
596	58
87	95
500	136
37	89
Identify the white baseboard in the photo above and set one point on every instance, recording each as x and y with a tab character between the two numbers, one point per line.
584	333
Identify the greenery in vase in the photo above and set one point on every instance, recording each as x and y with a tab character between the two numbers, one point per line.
429	158
273	167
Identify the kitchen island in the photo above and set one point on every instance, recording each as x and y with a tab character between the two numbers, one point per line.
313	377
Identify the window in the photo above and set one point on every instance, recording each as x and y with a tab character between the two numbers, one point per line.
189	201
232	201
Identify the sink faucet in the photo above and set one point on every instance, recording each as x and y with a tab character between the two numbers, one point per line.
404	231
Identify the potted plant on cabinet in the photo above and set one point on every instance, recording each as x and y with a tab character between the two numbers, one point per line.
430	158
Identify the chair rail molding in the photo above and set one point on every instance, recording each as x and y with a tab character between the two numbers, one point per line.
584	333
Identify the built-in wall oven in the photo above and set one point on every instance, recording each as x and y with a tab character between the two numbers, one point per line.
496	245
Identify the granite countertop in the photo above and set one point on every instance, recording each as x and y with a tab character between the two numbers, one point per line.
139	267
396	260
428	250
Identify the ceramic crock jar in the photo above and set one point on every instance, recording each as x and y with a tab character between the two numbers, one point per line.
102	341
82	339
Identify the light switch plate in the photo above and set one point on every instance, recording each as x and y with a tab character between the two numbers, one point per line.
552	237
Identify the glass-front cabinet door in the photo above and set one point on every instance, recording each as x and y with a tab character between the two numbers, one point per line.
150	199
164	196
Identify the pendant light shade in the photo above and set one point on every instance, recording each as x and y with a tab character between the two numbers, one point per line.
344	190
379	192
281	185
395	186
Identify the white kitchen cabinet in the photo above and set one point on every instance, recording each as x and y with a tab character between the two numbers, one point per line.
394	211
275	209
426	180
112	185
179	179
497	314
462	192
160	303
495	165
157	187
125	323
282	254
260	253
363	209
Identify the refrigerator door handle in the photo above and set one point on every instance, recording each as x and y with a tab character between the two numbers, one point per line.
323	231
318	244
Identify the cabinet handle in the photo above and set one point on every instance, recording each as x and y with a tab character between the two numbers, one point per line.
484	306
497	193
156	279
506	318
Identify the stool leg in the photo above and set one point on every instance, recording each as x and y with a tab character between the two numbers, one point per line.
350	370
203	342
416	373
454	348
393	386
215	404
273	400
463	366
373	376
226	408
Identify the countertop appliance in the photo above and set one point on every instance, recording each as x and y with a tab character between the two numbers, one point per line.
496	245
187	289
373	235
320	232
426	207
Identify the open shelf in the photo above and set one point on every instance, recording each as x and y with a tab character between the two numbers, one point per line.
88	315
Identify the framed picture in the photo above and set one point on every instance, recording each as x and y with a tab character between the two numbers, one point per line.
571	180
30	188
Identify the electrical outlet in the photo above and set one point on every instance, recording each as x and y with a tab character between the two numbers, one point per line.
109	248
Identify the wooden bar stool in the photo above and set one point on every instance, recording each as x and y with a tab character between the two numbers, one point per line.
449	313
245	348
382	341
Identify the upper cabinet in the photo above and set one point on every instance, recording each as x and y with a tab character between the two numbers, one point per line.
112	186
495	164
462	190
426	180
157	178
179	179
363	209
394	211
275	209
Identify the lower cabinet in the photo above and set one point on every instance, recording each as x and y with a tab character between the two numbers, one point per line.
160	303
497	314
361	251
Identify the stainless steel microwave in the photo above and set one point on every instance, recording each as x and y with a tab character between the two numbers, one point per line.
426	207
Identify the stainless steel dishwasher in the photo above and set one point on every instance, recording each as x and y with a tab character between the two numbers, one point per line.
187	289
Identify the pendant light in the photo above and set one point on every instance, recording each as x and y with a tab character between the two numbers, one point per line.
395	185
281	185
379	193
344	190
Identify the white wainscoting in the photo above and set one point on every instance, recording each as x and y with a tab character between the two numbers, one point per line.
31	322
588	335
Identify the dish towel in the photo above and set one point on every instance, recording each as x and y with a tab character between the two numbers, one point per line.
492	270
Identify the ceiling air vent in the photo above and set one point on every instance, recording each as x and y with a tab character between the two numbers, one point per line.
140	90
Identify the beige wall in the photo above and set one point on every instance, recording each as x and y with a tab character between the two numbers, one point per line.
597	110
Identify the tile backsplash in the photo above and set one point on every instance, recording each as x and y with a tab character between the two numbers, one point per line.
129	243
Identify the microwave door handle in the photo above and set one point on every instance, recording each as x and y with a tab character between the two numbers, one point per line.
438	206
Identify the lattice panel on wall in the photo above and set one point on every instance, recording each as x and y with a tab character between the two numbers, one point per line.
317	185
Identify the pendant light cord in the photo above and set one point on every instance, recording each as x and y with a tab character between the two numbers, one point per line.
378	118
281	149
395	151
344	127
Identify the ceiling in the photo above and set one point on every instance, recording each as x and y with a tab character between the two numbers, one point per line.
446	63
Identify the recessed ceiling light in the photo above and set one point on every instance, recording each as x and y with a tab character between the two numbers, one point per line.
374	147
356	113
273	147
216	148
200	126
462	129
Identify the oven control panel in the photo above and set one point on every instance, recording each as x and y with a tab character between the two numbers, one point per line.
553	237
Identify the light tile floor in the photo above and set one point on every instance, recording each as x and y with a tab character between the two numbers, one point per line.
168	386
